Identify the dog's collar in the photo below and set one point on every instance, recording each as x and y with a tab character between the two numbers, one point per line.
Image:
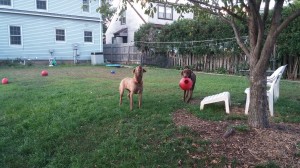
138	82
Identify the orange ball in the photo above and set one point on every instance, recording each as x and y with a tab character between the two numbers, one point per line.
185	83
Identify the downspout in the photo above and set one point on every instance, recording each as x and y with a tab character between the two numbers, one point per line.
101	29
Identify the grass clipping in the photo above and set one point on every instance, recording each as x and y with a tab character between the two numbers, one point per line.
279	144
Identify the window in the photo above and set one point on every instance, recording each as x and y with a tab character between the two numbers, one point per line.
123	18
41	4
5	2
114	40
15	35
124	39
165	12
85	6
60	34
88	36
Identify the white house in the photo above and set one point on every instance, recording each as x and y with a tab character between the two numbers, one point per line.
122	27
41	29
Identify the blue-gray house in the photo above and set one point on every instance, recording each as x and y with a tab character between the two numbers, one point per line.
44	29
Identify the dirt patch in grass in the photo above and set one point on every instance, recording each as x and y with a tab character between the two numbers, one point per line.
245	147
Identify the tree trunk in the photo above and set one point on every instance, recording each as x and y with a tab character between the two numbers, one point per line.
293	66
258	117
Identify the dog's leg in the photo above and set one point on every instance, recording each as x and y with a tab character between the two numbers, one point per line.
128	95
189	93
184	95
187	96
121	95
140	100
131	100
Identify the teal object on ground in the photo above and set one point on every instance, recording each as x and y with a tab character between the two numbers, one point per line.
113	65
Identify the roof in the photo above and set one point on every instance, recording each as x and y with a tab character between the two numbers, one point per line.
122	32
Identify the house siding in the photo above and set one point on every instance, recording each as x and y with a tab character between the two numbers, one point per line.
38	30
134	21
73	7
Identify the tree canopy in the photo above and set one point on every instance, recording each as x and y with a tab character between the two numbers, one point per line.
107	11
191	36
261	33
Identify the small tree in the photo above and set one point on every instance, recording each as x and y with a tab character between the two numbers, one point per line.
253	13
146	33
107	12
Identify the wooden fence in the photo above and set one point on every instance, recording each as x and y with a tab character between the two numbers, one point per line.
127	53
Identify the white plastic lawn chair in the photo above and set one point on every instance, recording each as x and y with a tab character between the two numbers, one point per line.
270	94
224	96
278	72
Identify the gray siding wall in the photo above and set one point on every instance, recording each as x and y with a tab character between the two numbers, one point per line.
38	31
69	7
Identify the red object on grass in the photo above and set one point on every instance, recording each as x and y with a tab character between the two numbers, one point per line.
4	81
185	83
44	73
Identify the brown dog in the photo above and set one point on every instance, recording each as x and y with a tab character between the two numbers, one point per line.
133	85
188	73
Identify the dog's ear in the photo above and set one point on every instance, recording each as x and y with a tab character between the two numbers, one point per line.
144	70
181	73
133	71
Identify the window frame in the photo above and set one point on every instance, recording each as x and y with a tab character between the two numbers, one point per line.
65	35
8	6
125	39
18	35
113	40
123	18
84	36
88	4
36	5
164	12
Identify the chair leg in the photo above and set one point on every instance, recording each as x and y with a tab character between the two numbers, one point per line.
227	106
271	107
201	106
276	92
247	102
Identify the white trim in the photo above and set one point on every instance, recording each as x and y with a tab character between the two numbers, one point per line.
41	9
8	6
56	41
21	34
92	37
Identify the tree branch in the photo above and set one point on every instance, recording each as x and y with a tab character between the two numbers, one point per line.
266	10
208	6
237	35
285	23
239	40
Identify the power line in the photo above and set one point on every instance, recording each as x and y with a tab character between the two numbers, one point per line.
181	42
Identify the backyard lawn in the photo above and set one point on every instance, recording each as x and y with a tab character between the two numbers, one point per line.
72	118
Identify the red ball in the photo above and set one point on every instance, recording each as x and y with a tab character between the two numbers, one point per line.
4	81
44	73
185	83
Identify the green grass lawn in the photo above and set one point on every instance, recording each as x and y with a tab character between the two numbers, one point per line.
72	117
